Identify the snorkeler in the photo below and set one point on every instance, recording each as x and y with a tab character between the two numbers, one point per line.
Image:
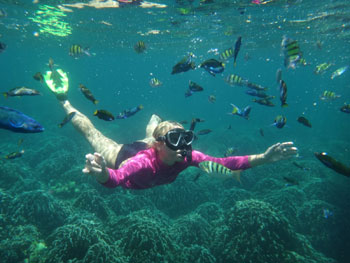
160	157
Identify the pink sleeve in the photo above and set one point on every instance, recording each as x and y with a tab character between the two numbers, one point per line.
231	162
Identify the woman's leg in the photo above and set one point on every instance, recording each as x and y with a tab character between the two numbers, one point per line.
108	148
152	124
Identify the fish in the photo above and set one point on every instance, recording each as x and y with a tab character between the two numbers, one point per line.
212	98
230	151
234	79
327	213
184	65
67	119
87	93
332	163
345	108
39	77
321	68
154	82
292	53
192	87
16	121
140	47
228	53
204	132
51	64
283	93
329	95
3	46
261	131
20	91
290	181
237	48
76	51
339	71
213	66
278	75
265	102
129	112
257	93
104	115
14	155
219	169
304	121
243	113
280	121
301	167
256	86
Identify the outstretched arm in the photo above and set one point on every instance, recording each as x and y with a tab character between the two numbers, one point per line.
276	152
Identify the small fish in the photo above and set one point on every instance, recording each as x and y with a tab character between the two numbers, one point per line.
140	47
228	53
39	77
278	75
14	155
230	151
2	47
184	65
194	122
333	164
16	121
320	69
329	95
339	71
129	112
77	51
104	115
256	86
304	121
345	108
237	48
20	91
213	66
233	80
280	121
219	169
265	102
290	181
67	119
243	113
261	131
87	93
292	53
212	98
301	167
204	132
283	93
257	93
327	213
192	87
154	82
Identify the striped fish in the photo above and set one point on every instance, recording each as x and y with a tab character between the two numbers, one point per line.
228	53
219	169
234	79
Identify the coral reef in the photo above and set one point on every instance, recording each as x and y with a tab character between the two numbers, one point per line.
231	196
82	242
197	254
38	208
145	237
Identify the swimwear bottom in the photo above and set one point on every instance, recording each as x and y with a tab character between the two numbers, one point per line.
129	150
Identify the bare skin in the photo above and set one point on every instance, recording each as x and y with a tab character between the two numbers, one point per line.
107	147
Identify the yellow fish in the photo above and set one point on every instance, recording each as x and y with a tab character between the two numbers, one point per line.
219	169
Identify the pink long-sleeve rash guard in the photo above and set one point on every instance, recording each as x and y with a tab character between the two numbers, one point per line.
145	170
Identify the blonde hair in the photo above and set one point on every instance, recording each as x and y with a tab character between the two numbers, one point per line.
165	126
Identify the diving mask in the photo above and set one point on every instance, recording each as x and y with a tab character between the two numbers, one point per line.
177	139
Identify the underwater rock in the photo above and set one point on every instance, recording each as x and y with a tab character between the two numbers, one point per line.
211	212
231	196
82	242
38	208
197	254
92	202
267	185
145	238
192	229
254	231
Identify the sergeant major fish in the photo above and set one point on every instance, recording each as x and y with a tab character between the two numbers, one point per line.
77	51
220	170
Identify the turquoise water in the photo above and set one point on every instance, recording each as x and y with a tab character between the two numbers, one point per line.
46	200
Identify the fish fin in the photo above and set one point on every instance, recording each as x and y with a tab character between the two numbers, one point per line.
95	112
284	105
5	95
237	175
140	107
234	64
95	101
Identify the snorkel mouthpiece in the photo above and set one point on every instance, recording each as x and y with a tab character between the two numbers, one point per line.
187	153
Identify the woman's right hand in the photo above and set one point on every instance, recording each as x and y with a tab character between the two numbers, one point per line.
95	165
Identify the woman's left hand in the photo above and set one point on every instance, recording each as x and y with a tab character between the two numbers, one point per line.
280	151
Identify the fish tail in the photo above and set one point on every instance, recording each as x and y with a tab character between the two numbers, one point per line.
60	125
237	175
5	95
95	101
140	107
284	105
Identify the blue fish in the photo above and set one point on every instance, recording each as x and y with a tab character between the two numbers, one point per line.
129	112
243	113
16	121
